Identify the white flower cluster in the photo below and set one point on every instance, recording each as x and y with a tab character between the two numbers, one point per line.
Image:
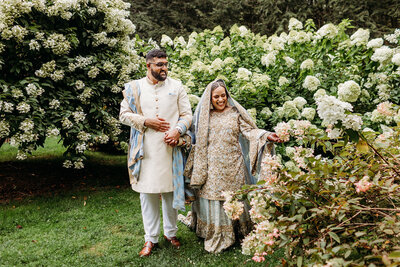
4	128
85	96
34	45
166	41
49	70
26	125
360	37
34	90
289	61
269	59
282	129
79	116
394	37
300	154
311	83
269	167
79	84
93	72
243	74
307	64
58	43
66	123
253	113
283	81
16	93
261	79
54	104
349	91
327	31
331	110
382	54
295	24
23	107
116	89
266	113
80	148
80	62
290	110
83	136
109	67
194	100
299	102
233	208
375	43
102	139
216	65
308	113
396	59
78	164
52	132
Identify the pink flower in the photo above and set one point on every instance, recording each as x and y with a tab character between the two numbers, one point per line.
270	242
385	108
258	258
363	185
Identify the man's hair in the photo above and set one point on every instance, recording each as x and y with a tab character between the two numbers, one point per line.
155	53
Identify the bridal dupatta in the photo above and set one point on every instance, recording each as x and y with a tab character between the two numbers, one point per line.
252	150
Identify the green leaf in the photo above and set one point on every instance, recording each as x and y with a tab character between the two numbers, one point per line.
300	261
394	255
334	236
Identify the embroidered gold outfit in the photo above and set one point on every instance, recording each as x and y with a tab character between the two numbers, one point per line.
219	164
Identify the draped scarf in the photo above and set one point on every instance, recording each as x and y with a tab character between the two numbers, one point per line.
136	153
252	150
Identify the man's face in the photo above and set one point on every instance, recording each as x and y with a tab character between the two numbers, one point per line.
158	68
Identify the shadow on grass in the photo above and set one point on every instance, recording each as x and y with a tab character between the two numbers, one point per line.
43	175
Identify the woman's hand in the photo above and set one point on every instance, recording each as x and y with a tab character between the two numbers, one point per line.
273	137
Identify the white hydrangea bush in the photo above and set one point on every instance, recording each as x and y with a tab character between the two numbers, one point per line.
63	65
332	95
287	73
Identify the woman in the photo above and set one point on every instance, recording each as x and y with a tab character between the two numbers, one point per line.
220	161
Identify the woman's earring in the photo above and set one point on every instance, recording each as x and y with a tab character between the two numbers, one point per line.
211	106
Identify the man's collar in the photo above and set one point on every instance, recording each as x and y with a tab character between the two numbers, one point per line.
160	83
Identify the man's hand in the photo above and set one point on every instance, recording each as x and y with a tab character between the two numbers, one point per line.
273	137
158	124
172	137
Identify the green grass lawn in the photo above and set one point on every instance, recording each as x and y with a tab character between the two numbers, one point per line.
94	219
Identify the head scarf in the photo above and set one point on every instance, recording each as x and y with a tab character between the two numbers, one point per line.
200	129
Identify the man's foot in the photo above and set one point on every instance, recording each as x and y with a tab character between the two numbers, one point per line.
147	248
174	241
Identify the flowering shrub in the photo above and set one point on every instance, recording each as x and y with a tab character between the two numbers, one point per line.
331	194
63	67
337	210
271	72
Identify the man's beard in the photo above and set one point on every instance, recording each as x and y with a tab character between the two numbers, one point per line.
158	76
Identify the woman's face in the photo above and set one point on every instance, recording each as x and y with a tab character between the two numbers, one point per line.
219	98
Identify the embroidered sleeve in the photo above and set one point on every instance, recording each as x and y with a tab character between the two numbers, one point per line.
128	117
245	128
185	112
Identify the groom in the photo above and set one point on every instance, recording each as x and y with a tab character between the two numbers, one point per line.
158	110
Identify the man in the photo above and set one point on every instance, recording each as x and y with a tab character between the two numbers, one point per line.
158	110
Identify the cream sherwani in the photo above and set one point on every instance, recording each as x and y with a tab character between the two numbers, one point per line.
167	100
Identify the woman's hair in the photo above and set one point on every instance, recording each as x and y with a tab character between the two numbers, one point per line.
218	83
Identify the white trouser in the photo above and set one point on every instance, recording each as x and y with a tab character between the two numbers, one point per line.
150	204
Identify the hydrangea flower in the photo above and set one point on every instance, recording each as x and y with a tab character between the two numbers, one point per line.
295	24
307	64
349	91
311	83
